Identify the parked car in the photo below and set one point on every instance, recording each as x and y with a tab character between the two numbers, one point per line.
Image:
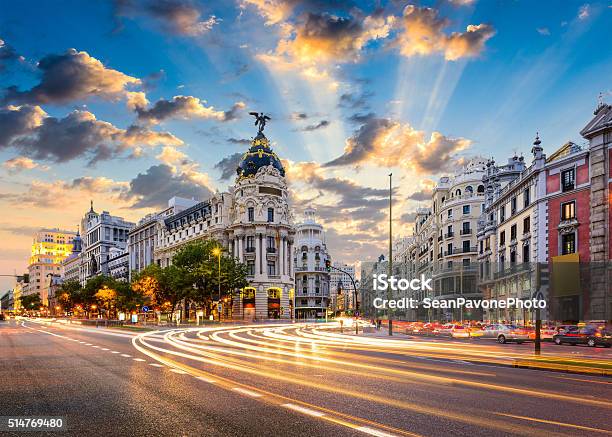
589	335
505	333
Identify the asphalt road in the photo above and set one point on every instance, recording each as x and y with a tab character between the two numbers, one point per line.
293	380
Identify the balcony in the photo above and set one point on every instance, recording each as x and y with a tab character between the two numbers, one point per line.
270	249
250	250
449	235
466	232
460	250
439	237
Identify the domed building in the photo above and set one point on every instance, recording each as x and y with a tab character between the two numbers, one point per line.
253	222
261	234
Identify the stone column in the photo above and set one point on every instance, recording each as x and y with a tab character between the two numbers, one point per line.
257	254
281	251
241	248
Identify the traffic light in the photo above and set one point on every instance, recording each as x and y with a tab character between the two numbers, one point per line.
328	265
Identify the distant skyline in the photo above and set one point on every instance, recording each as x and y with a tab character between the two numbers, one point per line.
131	102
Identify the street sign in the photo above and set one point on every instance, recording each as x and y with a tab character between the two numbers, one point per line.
145	309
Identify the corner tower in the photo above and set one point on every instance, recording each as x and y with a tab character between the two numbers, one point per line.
261	232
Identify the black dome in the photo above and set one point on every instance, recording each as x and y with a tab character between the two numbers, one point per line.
259	155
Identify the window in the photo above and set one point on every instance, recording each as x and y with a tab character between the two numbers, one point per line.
450	212
502	213
513	206
481	246
271	269
466	228
449	248
513	232
270	242
466	246
251	212
250	268
466	209
568	243
568	179
526	198
512	256
526	253
502	238
250	244
466	262
270	215
568	211
526	225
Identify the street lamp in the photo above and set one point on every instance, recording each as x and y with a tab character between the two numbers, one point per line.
217	252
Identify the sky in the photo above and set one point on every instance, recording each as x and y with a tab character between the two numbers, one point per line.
130	102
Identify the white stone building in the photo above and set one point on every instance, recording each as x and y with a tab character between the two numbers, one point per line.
253	223
312	281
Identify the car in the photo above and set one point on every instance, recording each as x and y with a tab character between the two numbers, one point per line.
546	332
459	331
505	333
589	335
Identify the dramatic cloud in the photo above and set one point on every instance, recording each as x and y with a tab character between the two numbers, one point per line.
278	11
408	217
424	194
355	101
323	37
388	143
20	163
180	17
41	194
423	34
182	107
227	166
242	141
358	118
35	134
159	183
7	54
72	76
313	127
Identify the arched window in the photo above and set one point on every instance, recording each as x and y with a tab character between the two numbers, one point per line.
480	189
458	192
469	190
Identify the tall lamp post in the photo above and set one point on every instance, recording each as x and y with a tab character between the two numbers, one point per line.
217	252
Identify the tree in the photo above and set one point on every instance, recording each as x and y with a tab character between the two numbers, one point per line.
200	268
161	287
69	294
31	302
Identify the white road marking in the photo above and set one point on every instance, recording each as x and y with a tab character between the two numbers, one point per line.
179	371
138	359
88	344
247	392
205	379
304	410
156	365
114	352
372	431
98	347
126	355
82	342
105	349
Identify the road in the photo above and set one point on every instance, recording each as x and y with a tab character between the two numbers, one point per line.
287	380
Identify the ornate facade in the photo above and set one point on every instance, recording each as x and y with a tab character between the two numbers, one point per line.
252	221
312	281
